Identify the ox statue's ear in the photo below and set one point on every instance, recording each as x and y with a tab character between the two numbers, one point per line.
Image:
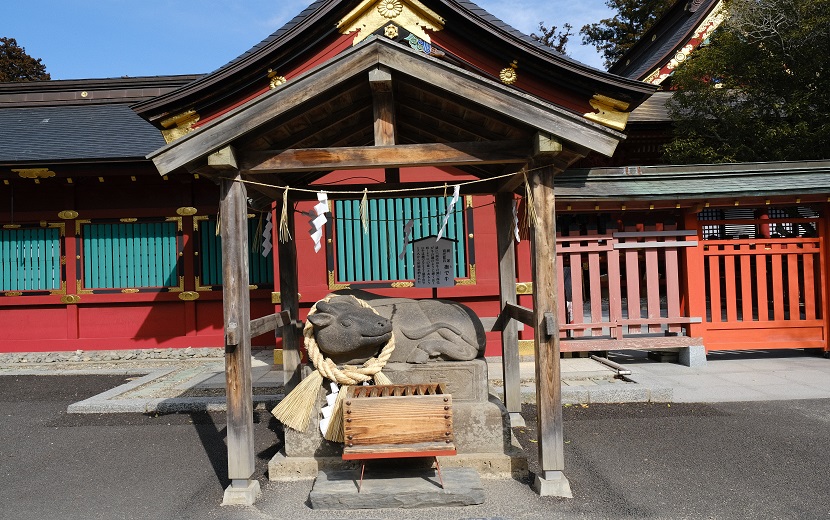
320	320
323	306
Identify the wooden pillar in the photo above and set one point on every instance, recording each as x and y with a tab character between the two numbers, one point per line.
289	301
694	285
824	233
233	207
551	481
507	294
383	107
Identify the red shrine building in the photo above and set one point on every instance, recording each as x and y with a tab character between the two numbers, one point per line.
109	233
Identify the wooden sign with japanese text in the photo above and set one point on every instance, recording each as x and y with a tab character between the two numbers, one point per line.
434	262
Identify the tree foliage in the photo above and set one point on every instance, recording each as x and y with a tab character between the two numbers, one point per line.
760	91
549	36
614	36
16	65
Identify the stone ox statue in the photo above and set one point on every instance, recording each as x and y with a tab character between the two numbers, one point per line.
424	329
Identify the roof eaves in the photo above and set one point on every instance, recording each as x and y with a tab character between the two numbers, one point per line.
280	37
494	25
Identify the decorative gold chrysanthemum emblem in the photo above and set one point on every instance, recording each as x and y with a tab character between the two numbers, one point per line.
275	80
508	75
391	31
390	8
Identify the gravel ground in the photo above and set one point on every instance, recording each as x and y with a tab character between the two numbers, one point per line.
107	356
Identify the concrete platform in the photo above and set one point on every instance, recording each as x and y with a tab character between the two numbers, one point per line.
400	488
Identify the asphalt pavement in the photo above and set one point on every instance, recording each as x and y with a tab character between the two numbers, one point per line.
758	459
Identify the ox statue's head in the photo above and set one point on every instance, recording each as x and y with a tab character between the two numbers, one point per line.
347	332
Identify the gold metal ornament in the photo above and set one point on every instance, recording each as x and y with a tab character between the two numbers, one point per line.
390	8
370	15
68	214
178	125
524	288
275	79
188	296
508	75
391	31
34	173
610	112
186	211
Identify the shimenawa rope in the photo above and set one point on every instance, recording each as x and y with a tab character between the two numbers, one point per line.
295	409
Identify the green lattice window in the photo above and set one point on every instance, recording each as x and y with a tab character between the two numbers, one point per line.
374	256
260	268
128	255
30	259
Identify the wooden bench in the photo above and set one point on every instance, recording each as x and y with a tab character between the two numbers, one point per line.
397	421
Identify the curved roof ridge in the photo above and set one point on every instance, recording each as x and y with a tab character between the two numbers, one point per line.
464	9
663	38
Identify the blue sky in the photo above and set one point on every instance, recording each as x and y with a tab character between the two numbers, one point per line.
111	38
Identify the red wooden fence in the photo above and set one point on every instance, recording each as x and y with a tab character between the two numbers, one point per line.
764	293
622	291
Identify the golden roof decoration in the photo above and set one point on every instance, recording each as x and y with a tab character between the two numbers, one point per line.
371	15
508	75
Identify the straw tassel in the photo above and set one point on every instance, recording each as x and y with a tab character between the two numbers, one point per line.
530	207
381	379
256	243
285	233
364	211
295	409
334	432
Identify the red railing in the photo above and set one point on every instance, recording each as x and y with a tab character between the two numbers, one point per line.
622	290
764	293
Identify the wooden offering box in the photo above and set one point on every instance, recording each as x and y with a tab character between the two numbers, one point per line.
390	421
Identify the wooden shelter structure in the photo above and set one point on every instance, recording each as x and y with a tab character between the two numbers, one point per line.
422	94
378	101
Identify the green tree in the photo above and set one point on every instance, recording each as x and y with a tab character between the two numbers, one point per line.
760	91
549	36
16	65
614	36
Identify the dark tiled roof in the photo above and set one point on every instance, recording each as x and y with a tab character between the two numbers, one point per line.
652	110
70	133
504	26
658	44
89	91
588	77
694	181
287	27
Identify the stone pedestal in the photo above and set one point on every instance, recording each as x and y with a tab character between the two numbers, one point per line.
694	356
396	489
241	493
552	484
481	426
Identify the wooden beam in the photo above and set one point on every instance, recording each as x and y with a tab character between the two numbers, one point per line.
383	104
503	100
398	156
546	346
507	296
290	302
223	160
261	110
498	99
511	312
511	184
546	145
236	306
268	323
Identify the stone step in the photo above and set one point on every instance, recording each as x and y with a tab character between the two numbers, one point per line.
399	488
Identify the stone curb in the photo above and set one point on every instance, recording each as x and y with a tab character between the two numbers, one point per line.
606	394
108	402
